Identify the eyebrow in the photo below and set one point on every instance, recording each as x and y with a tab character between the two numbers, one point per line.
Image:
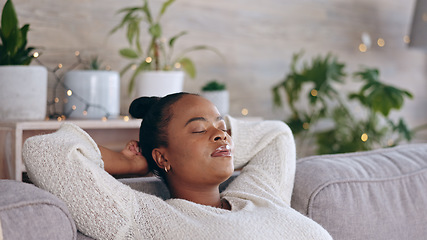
219	118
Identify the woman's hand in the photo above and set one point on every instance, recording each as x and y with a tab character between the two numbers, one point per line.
132	153
127	161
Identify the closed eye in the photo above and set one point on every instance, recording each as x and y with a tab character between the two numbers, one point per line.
203	131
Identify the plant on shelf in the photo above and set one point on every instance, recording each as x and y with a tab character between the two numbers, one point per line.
217	93
94	63
213	85
369	127
159	56
13	49
23	94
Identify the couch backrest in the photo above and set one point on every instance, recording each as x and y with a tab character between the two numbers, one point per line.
380	194
154	186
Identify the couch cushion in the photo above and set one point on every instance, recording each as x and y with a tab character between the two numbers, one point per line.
27	212
378	194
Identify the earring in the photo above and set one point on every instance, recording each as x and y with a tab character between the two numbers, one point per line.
166	169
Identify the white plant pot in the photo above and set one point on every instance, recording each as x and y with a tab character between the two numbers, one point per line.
159	83
95	94
220	99
23	93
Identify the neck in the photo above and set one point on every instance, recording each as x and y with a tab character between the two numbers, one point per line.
202	195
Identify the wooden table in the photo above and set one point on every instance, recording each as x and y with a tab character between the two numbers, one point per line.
113	134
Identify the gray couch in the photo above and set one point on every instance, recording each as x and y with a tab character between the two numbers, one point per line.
379	194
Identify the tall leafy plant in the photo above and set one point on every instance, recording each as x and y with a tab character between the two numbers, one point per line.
159	55
13	50
317	83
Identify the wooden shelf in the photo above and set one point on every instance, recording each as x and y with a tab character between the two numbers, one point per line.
113	134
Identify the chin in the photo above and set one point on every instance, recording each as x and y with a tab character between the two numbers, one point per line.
224	176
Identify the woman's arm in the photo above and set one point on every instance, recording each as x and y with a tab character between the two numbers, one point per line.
127	161
68	164
266	151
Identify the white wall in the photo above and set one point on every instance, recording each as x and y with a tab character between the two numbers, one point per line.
258	39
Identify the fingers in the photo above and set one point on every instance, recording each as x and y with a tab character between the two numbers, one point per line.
133	146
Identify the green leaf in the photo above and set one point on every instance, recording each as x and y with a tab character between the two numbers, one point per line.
213	86
174	38
165	6
144	65
155	30
128	53
277	99
132	30
126	68
9	20
145	8
188	67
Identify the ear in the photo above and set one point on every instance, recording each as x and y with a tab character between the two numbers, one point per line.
159	157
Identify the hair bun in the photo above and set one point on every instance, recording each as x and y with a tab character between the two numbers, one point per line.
140	106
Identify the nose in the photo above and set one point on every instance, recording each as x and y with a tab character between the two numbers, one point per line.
219	135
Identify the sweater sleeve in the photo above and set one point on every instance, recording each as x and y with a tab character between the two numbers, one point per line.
266	151
68	164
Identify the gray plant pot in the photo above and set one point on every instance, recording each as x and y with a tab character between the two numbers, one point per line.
23	93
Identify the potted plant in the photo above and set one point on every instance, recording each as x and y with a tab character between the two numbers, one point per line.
217	93
157	71
23	88
93	92
321	111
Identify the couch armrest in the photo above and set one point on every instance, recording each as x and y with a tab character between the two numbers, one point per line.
378	194
27	212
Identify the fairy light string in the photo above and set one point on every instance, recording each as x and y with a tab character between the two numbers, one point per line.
53	112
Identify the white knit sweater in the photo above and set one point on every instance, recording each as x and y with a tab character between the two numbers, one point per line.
68	164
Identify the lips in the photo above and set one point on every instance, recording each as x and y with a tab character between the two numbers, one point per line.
223	151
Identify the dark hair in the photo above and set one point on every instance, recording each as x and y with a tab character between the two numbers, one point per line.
156	114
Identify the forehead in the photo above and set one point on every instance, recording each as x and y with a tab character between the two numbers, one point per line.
190	106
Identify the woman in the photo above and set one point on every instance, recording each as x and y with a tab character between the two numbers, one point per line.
185	141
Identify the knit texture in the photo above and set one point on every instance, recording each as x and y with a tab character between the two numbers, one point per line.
68	164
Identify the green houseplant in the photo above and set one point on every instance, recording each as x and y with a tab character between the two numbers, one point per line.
13	50
159	55
23	88
217	93
346	130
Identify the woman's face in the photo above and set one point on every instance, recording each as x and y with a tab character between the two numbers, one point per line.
199	149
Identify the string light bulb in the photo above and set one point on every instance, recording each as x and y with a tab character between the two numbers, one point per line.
406	39
362	47
36	54
306	125
381	42
245	111
313	92
364	137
